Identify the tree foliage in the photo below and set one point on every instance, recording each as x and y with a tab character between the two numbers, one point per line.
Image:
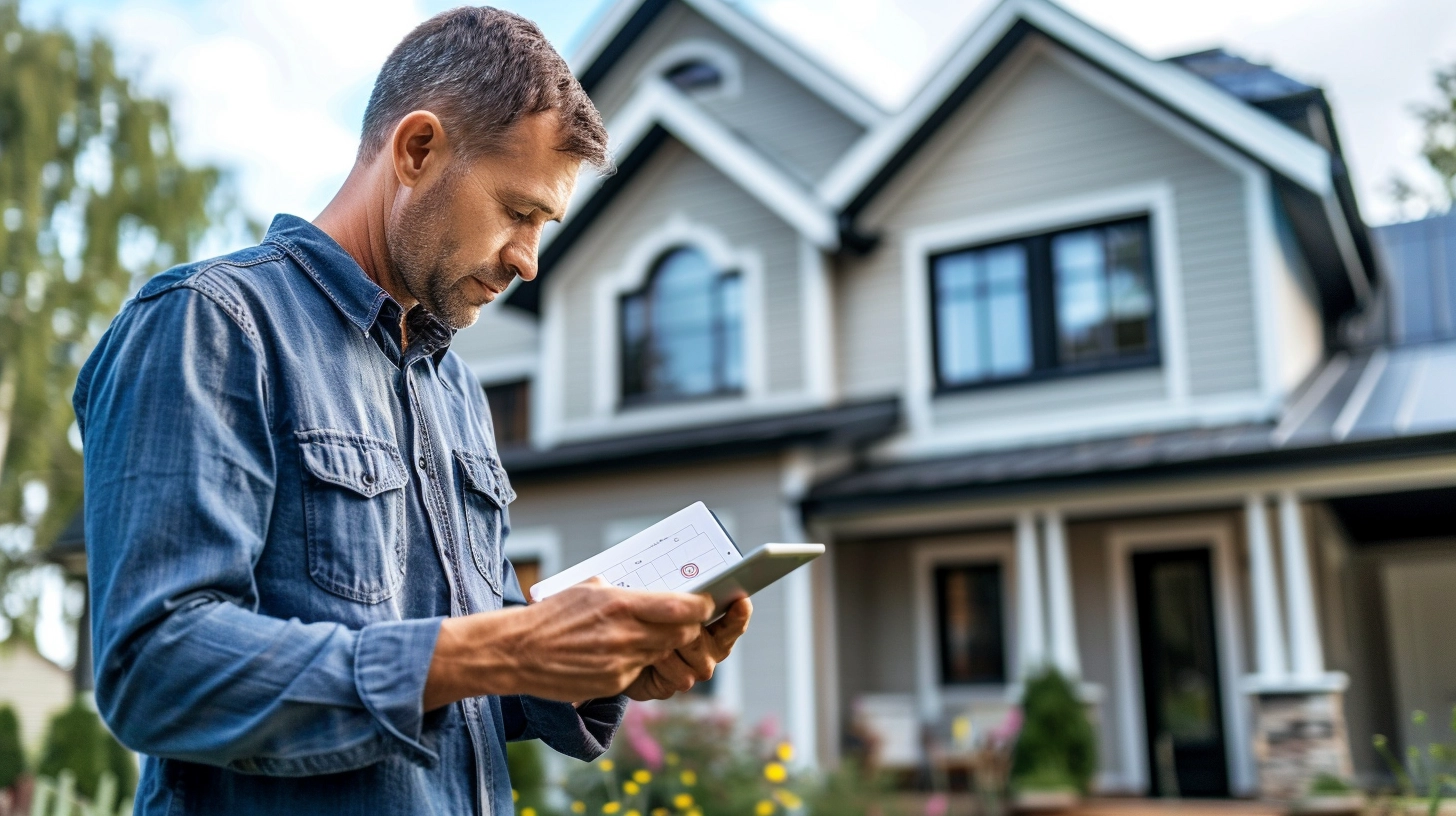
93	200
77	742
12	755
1438	148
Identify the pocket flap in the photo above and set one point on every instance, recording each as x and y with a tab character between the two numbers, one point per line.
486	476
363	464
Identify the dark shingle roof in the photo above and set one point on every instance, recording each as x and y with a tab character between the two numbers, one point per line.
1249	81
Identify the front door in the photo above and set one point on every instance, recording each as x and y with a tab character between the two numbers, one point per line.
1181	695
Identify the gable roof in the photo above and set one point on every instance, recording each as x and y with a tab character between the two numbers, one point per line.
625	20
655	111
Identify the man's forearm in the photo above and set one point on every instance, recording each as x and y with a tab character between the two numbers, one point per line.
475	655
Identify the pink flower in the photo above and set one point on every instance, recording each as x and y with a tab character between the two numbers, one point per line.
1005	732
644	745
767	728
937	805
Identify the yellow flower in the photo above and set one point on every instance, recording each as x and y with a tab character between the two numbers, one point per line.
631	788
530	811
515	795
785	752
642	776
633	813
763	808
659	812
607	765
788	799
689	778
611	807
695	812
775	772
682	801
672	758
578	807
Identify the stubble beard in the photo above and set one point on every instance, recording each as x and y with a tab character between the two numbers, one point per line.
421	251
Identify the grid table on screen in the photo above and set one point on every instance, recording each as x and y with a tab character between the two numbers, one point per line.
684	556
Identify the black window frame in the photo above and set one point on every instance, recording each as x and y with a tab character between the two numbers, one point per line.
938	575
512	423
628	400
1042	320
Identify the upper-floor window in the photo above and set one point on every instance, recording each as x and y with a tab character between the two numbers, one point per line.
1073	300
510	413
682	334
694	75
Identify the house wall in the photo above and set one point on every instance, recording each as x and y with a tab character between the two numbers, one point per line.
36	688
588	513
769	109
676	187
501	337
1041	132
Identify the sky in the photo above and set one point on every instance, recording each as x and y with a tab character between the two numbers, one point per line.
273	90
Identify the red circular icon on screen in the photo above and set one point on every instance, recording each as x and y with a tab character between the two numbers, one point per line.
689	570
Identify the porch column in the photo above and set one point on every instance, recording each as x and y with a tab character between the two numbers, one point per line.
1063	621
1030	623
1307	656
1270	656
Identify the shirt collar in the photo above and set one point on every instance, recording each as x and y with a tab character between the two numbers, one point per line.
334	270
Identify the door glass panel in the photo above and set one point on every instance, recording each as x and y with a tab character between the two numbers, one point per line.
968	599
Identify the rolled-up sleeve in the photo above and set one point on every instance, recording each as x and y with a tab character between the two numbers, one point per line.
180	479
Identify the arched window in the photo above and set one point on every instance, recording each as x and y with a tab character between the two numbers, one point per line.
694	75
682	334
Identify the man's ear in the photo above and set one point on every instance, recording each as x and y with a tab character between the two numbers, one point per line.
419	147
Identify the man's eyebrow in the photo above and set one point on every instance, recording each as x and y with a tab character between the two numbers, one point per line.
539	205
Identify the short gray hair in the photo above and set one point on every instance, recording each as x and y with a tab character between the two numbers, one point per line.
480	70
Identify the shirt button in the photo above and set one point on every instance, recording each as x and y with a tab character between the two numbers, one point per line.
367	478
422	463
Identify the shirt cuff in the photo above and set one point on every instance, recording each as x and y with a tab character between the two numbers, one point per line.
584	732
391	664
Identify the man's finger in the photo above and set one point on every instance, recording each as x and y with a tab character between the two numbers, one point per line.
727	629
671	607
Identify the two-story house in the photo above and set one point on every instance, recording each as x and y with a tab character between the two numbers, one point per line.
1075	360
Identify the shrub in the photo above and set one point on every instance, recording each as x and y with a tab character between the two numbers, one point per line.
77	742
1428	775
1327	784
528	777
12	755
1057	746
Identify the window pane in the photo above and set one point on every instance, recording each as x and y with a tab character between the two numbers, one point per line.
982	315
695	75
510	412
972	644
682	336
1104	298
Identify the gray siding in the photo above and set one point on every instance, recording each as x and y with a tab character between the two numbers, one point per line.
579	510
1050	135
500	332
1091	393
774	112
677	182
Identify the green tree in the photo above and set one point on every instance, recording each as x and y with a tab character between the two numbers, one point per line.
12	755
77	742
93	200
1438	148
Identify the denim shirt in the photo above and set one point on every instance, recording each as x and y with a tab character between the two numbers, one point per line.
282	503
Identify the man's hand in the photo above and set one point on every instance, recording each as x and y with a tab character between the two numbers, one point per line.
591	640
695	662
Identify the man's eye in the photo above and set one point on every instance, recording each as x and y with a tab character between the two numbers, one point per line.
520	216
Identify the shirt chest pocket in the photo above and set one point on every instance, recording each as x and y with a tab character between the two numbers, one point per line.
353	497
486	492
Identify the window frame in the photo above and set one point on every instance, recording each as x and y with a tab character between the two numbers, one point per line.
1042	319
626	400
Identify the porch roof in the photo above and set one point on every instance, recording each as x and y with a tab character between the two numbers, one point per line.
1388	403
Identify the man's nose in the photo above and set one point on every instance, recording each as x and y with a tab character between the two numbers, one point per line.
520	257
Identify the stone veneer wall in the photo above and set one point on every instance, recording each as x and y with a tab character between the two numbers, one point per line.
1298	736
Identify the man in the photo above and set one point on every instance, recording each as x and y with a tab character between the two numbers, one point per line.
295	509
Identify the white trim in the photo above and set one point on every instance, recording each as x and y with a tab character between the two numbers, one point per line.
817	312
541	543
1031	632
548	403
1061	605
986	547
1360	397
1292	154
802	716
809	73
1122	542
632	275
656	103
713	53
1264	252
1156	199
496	370
1306	653
1271	654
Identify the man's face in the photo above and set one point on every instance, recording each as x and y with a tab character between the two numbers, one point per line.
457	241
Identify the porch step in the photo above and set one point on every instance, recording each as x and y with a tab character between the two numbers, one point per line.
1180	807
